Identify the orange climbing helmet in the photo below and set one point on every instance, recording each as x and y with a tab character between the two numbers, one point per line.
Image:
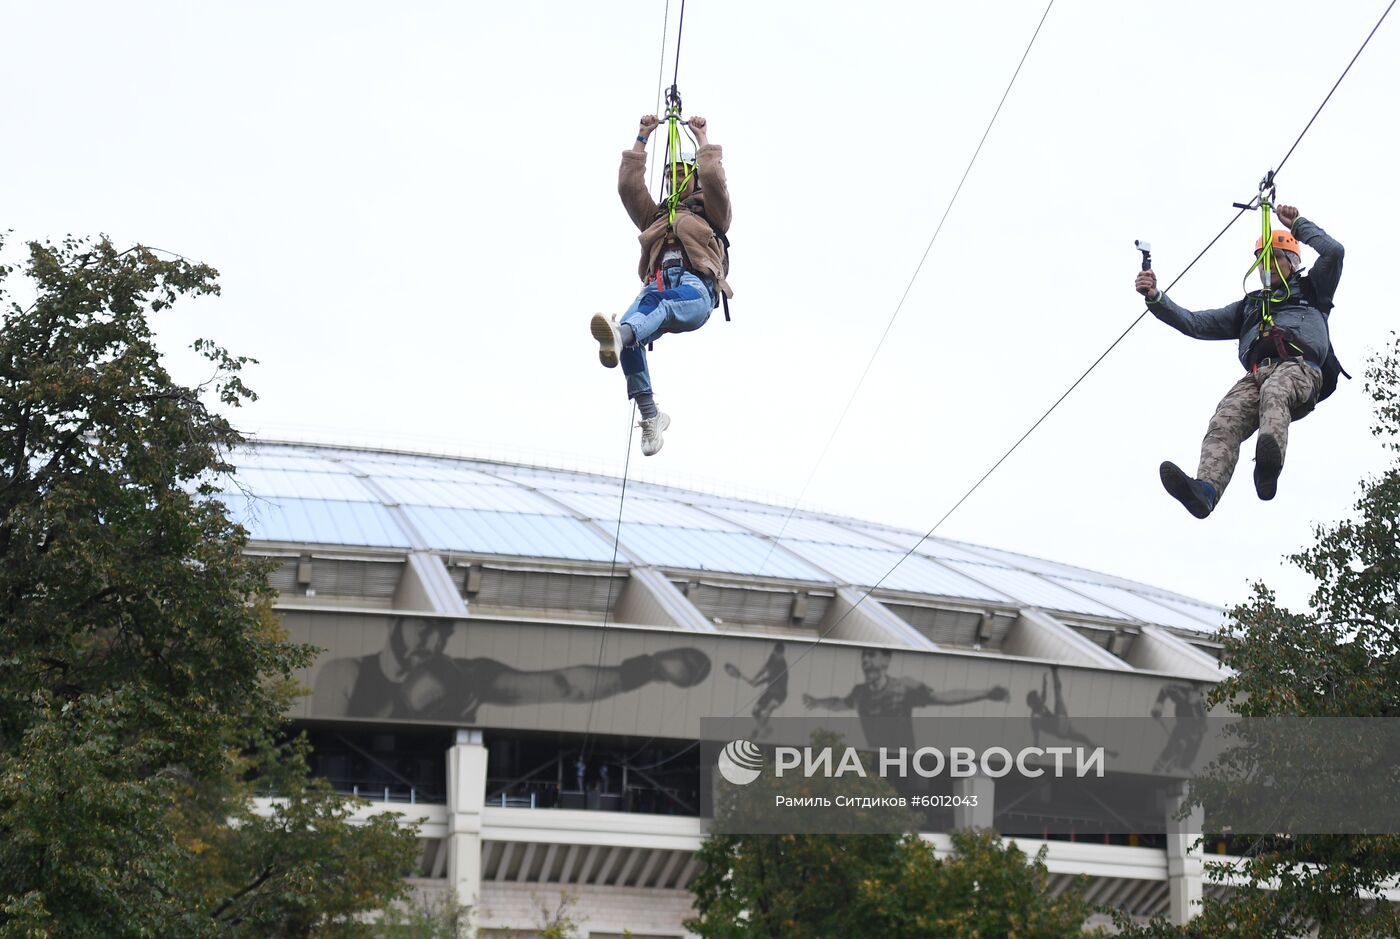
1281	240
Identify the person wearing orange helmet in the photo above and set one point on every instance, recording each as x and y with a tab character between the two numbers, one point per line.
1284	346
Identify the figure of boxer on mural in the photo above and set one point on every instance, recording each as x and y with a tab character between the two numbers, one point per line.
412	678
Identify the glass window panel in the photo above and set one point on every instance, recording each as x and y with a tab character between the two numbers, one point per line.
458	495
799	528
520	535
403	467
1137	606
315	521
604	508
1210	617
892	571
303	484
728	551
1032	590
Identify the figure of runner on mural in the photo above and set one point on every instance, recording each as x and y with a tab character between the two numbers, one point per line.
412	677
1054	723
886	704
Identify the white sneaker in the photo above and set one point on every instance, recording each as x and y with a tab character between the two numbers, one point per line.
609	340
651	432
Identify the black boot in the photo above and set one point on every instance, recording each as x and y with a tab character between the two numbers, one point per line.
1196	494
1268	463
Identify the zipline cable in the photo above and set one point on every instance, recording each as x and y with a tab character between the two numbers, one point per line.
680	28
661	77
975	486
908	287
612	572
898	307
627	462
1334	87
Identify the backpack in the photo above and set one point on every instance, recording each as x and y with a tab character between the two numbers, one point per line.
696	205
1331	368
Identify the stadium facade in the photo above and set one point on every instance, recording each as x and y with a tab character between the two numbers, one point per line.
512	665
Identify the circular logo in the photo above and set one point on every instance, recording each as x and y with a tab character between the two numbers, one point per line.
740	762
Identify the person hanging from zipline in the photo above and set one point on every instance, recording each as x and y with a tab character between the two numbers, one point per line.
1284	346
684	261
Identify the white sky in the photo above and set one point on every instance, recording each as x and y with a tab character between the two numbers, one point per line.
414	211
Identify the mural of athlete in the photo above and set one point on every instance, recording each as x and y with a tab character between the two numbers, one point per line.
412	678
1189	729
774	677
1054	723
886	704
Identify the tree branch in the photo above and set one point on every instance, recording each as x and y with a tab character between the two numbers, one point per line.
261	879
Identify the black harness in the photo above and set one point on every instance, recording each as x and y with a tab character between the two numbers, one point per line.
696	206
1278	344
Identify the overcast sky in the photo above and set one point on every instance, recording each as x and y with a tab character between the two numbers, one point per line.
413	208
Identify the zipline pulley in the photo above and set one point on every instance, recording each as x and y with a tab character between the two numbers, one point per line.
1266	185
1264	202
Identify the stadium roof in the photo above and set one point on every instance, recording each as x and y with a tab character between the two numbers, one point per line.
378	502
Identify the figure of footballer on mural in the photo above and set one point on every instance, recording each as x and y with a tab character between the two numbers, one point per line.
886	704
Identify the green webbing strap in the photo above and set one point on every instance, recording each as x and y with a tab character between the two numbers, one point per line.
673	157
1266	258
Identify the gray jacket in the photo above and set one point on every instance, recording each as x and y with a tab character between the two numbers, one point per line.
1303	314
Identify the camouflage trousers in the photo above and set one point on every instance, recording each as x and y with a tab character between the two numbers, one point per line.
1263	401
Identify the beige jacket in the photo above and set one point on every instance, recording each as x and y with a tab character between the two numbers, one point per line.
704	251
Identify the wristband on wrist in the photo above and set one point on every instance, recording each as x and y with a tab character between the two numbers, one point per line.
641	139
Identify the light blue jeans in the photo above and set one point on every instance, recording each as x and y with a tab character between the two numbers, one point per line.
683	306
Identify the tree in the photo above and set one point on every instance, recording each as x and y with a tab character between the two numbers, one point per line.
892	886
426	917
1341	658
877	883
142	671
986	888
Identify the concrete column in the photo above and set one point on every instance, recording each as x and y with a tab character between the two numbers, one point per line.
466	795
1185	865
984	789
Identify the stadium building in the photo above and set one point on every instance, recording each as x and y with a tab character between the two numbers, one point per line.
523	673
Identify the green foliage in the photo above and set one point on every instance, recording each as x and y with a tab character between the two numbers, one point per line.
892	886
817	885
139	658
1342	658
558	921
798	886
793	885
986	888
423	917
